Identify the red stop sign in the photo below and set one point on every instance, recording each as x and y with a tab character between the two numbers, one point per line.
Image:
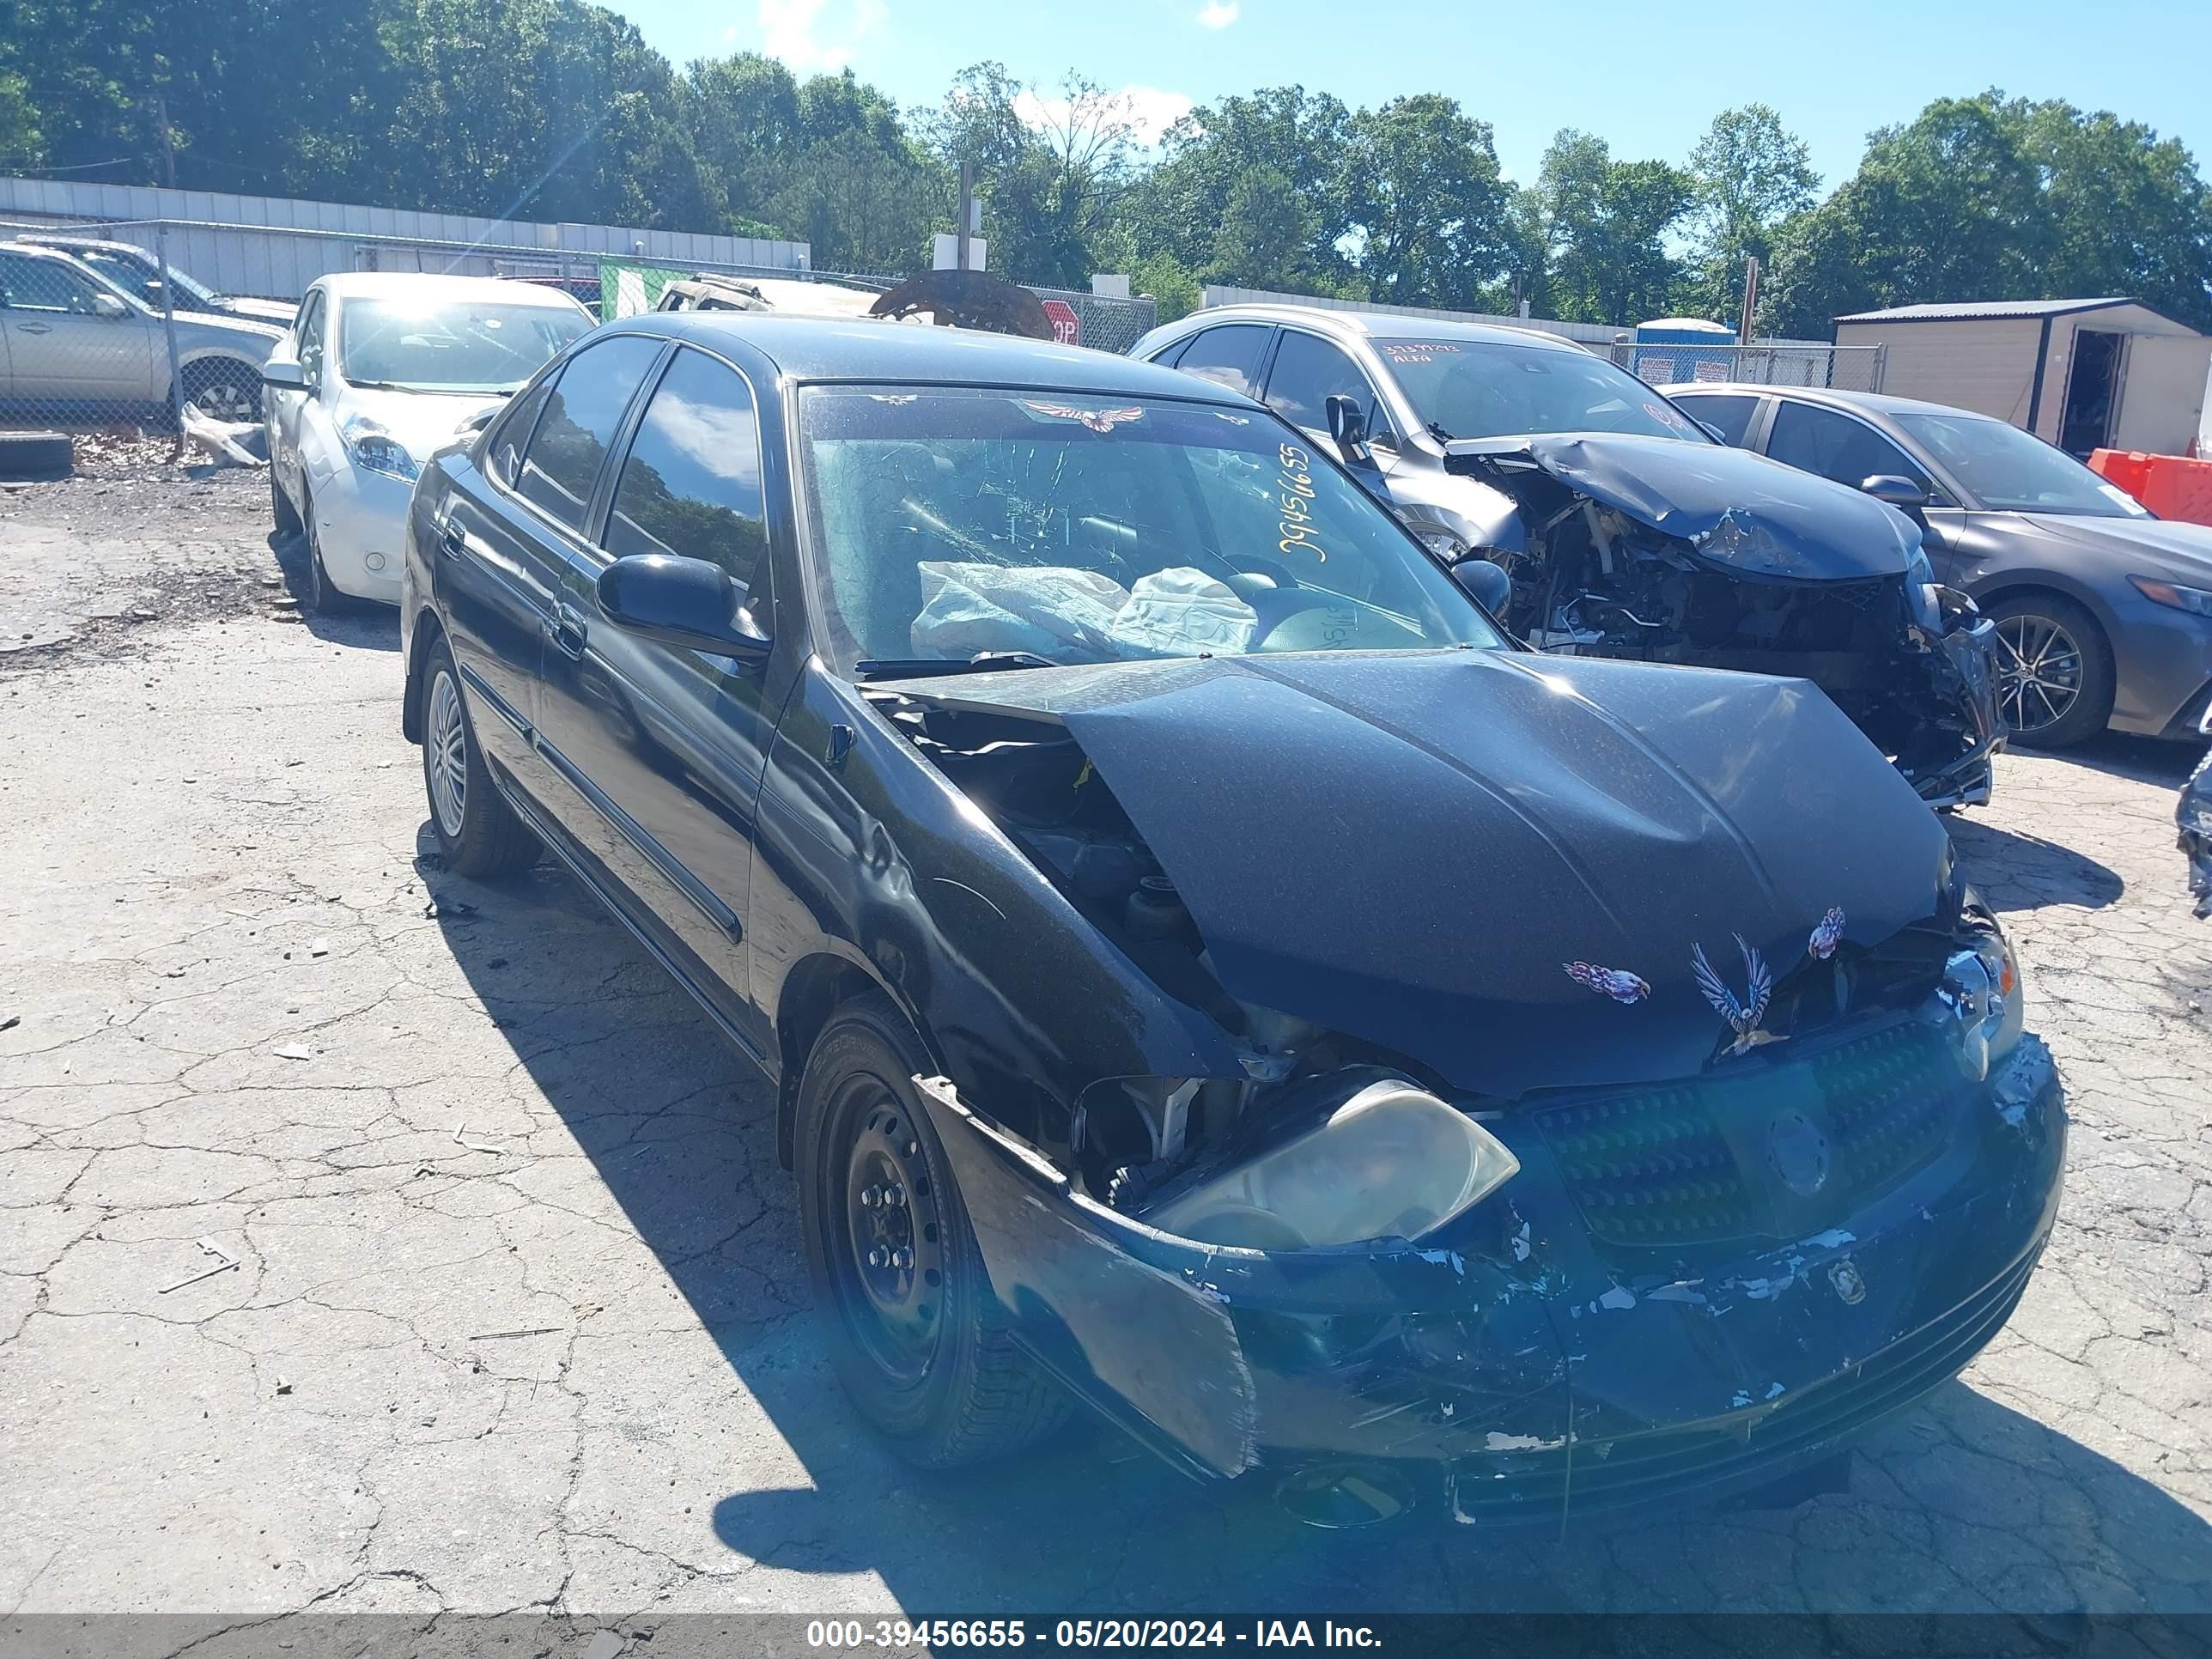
1066	326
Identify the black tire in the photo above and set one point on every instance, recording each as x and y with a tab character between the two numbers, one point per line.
323	596
923	1352
479	834
29	456
281	509
224	388
2074	655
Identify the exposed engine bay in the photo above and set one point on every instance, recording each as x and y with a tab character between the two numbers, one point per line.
1594	580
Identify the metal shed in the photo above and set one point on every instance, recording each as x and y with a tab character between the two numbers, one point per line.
2102	373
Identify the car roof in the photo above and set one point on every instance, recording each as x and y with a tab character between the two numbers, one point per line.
52	240
831	349
1385	325
403	284
1871	402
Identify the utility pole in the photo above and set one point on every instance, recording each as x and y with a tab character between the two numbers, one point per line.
168	149
967	212
1750	301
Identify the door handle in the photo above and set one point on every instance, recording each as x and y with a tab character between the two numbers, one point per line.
451	541
34	328
567	630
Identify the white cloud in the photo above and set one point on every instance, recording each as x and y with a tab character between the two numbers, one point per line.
796	31
1217	14
1150	111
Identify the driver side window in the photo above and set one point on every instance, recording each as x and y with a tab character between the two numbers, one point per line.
29	284
311	340
1836	446
1308	372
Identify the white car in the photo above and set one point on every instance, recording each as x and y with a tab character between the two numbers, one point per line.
381	370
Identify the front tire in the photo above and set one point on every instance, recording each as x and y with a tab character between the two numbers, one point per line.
914	1333
2054	669
286	516
479	834
323	596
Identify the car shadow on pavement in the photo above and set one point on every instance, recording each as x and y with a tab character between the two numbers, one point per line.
2145	760
1961	1505
364	623
2014	872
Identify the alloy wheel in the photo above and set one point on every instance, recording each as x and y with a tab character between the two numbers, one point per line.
226	400
2039	672
447	741
888	1259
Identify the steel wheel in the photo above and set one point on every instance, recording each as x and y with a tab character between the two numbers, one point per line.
2039	672
888	1257
446	754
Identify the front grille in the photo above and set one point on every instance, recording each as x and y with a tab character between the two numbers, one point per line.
1664	1167
1676	1463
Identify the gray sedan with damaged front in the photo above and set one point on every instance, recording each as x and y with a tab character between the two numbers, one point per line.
1621	528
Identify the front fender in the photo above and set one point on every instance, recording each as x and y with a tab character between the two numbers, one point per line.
866	852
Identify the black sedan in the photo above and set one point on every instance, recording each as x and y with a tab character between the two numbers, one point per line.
1207	970
2103	612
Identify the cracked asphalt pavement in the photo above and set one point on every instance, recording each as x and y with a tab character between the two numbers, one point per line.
374	1240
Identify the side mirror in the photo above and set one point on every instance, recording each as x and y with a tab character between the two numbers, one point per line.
688	603
1347	427
1902	494
151	287
1485	583
283	376
108	306
1712	431
476	423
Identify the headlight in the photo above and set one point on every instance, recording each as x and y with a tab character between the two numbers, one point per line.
1982	996
1920	590
376	450
2194	600
1439	541
1391	1161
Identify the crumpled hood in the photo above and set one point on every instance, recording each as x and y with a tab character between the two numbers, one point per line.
424	422
1412	847
2151	547
1736	508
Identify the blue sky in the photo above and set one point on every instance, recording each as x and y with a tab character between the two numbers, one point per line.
1648	87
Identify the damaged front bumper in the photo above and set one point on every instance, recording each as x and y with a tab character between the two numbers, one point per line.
1524	1366
1966	662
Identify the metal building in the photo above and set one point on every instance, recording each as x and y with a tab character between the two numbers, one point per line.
2108	374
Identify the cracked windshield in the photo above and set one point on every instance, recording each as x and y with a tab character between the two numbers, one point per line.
963	526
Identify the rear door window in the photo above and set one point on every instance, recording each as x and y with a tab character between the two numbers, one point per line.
691	483
1227	355
582	412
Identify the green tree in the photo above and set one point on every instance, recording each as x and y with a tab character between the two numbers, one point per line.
1991	198
1299	141
1428	209
1053	170
1606	225
1750	174
1267	234
21	144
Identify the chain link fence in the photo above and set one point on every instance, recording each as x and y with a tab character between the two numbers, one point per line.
91	339
1838	368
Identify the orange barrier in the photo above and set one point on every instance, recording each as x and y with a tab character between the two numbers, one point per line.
2172	486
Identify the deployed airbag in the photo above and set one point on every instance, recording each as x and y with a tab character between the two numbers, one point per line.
1061	611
